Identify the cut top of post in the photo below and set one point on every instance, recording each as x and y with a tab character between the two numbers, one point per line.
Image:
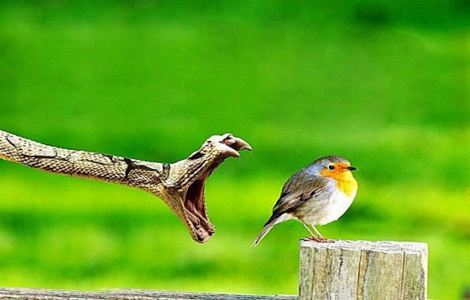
379	246
363	270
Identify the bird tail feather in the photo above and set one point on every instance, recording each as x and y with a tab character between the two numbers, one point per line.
263	233
275	219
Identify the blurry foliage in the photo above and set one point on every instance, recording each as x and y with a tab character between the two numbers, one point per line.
383	83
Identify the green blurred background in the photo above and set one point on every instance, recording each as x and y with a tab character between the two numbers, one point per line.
383	83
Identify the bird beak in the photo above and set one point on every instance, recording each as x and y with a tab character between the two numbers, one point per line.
350	168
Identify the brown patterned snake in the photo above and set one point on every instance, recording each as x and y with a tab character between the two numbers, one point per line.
180	184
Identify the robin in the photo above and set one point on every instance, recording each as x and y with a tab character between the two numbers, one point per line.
316	195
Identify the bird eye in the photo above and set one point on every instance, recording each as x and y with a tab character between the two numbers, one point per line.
331	167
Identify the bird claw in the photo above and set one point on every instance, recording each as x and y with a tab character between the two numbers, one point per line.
318	239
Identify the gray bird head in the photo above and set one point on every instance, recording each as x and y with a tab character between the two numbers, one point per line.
330	165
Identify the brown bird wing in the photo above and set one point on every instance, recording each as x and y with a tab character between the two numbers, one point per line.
298	189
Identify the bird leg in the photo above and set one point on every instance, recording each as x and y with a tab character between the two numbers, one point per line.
317	232
316	237
321	238
309	230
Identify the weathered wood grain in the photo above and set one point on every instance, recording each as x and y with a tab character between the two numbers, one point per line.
340	270
39	294
363	270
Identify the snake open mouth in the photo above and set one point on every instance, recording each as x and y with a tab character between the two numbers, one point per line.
195	211
194	199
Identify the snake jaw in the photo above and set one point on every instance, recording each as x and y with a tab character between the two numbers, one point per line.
222	145
229	145
212	153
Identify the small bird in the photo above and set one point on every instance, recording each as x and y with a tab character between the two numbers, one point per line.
316	195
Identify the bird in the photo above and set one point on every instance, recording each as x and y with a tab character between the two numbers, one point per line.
318	194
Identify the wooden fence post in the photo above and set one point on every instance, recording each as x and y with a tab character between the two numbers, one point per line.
363	270
343	270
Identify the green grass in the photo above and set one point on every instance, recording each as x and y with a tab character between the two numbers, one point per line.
383	84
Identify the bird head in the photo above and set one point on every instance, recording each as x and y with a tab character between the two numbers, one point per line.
339	169
334	167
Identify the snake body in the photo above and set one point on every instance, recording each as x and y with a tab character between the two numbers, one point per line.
174	183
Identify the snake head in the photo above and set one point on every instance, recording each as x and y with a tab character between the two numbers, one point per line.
222	146
189	176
